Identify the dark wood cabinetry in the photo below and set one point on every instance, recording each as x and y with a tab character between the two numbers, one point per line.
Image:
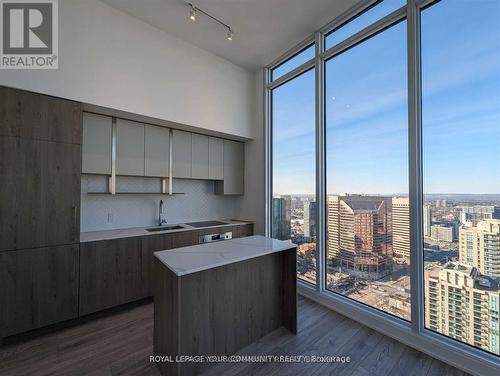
36	116
244	230
40	193
39	287
184	238
112	272
151	244
118	271
40	167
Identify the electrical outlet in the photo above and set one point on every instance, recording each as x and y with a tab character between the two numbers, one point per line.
111	218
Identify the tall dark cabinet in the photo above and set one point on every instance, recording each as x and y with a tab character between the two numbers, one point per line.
40	170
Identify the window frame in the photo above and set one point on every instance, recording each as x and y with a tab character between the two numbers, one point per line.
300	70
414	333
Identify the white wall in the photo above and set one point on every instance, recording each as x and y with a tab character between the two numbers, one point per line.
251	206
111	59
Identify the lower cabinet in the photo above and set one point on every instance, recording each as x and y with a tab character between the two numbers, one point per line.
245	230
118	271
38	287
184	238
151	244
112	272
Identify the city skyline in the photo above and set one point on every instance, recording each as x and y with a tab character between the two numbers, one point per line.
368	255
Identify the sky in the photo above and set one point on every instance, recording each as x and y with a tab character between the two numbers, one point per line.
366	108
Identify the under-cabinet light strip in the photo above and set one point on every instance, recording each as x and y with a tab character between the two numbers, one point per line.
170	169
112	179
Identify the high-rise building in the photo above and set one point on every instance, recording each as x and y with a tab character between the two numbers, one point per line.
476	213
479	246
310	212
401	226
360	234
441	203
496	212
427	220
282	212
463	304
442	233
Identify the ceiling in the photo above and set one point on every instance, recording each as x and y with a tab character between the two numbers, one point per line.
263	29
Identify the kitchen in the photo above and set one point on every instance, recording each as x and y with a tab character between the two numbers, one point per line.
66	258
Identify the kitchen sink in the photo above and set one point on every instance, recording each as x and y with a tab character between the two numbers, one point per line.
164	228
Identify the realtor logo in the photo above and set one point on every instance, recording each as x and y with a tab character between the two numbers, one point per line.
29	37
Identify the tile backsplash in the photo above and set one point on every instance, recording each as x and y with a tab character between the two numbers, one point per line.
105	212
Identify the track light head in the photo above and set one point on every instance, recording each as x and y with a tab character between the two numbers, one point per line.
229	34
192	12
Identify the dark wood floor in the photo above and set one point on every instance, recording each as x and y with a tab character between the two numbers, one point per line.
121	343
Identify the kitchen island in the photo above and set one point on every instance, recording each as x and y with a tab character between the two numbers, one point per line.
216	298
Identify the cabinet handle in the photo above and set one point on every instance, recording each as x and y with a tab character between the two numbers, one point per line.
75	219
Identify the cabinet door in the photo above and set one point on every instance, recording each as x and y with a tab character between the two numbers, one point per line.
157	151
234	169
39	287
181	154
96	144
129	148
184	238
245	230
150	245
199	163
39	193
112	272
215	158
37	116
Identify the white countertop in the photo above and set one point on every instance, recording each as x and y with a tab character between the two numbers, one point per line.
92	236
187	260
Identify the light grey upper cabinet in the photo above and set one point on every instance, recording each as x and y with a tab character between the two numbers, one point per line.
215	158
181	154
234	169
96	144
129	148
157	151
199	163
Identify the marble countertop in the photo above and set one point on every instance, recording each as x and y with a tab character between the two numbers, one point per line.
92	236
192	259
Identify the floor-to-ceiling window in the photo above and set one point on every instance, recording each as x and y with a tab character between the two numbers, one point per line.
403	100
294	206
367	250
461	155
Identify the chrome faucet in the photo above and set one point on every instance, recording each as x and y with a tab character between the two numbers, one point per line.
162	219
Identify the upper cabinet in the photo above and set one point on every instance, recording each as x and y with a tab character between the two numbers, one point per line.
215	158
199	156
36	116
181	154
157	151
144	150
234	169
96	144
129	148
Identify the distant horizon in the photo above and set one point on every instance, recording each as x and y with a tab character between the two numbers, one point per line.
389	194
395	193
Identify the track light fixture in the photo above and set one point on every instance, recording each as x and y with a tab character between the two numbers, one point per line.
194	10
